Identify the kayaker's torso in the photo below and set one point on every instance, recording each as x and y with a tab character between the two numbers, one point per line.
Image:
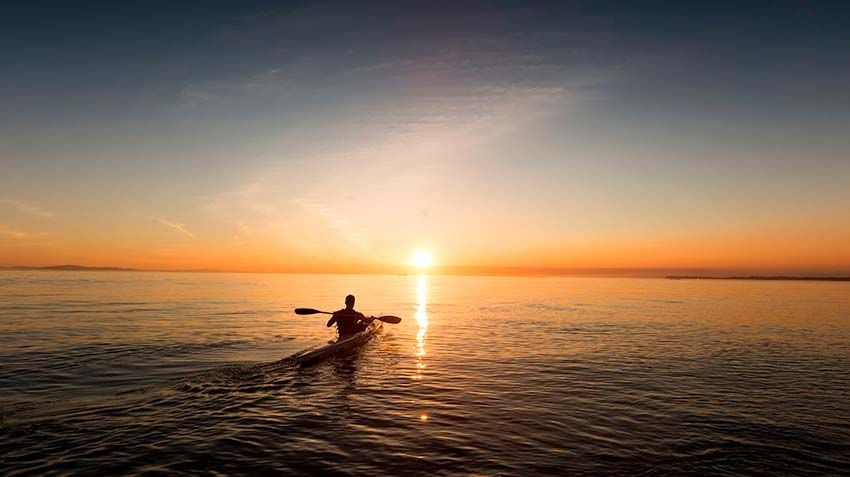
349	321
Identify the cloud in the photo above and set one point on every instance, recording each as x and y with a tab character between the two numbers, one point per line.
333	220
193	96
314	53
395	152
23	238
176	226
26	208
394	120
196	95
14	234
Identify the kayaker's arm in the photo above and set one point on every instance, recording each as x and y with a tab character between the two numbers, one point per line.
331	321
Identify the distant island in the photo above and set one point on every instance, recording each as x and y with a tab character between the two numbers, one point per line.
757	277
83	268
73	268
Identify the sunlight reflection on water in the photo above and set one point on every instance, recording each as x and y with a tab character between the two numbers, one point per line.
422	322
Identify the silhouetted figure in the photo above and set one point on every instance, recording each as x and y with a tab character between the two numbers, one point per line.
348	320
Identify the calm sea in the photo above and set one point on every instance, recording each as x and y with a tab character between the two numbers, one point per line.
131	373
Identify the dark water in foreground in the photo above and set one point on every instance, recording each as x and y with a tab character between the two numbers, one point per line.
130	373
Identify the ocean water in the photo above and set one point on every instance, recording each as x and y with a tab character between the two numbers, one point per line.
133	373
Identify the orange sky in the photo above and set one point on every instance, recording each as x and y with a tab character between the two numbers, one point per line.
793	247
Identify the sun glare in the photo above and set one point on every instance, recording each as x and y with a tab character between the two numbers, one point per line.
421	259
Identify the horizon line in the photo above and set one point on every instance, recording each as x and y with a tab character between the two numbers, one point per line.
669	273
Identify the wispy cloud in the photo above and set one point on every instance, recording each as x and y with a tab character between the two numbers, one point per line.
175	225
394	122
20	235
370	63
194	96
333	220
25	207
13	233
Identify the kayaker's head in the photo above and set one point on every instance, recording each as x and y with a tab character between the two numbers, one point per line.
349	302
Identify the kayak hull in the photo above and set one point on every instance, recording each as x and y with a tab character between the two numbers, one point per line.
340	346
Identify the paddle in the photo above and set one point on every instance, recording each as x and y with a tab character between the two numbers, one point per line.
311	311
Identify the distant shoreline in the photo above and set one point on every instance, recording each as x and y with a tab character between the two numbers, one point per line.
768	278
74	268
81	268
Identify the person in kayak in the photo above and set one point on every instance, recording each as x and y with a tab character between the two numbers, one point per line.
348	320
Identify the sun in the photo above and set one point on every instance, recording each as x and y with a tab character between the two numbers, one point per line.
422	259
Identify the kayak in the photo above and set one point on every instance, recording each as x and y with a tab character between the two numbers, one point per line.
341	345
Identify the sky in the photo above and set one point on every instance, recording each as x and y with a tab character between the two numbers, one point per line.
503	137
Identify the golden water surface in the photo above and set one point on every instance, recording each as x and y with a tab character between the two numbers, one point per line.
175	372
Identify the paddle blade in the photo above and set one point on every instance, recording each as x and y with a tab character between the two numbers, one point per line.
306	311
389	319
